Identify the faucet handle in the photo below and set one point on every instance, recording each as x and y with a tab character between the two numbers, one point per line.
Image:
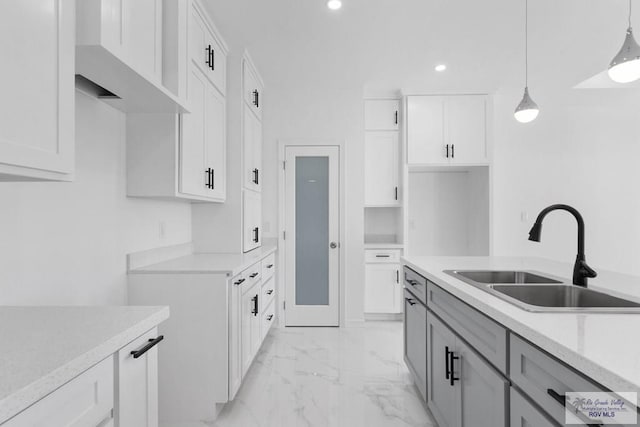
587	271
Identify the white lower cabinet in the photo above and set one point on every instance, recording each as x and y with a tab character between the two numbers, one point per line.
383	288
250	325
87	400
137	374
461	385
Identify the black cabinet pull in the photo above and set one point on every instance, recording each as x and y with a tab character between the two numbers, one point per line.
255	305
447	151
412	282
210	178
397	276
446	363
269	317
256	174
562	400
396	117
383	256
150	344
396	189
410	301
253	275
453	151
256	232
213	59
239	282
452	377
270	266
270	291
256	98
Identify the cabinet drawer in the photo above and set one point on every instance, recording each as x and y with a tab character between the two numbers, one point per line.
87	400
536	373
485	335
268	292
524	414
137	391
252	274
415	283
268	318
268	266
382	255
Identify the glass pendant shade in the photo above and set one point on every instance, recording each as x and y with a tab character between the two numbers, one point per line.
527	110
625	67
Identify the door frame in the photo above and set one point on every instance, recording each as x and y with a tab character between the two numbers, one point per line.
310	142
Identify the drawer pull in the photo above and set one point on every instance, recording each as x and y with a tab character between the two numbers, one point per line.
270	291
383	256
152	343
239	282
412	282
270	266
253	275
411	302
562	400
269	317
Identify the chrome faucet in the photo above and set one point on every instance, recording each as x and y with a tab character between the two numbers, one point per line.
581	271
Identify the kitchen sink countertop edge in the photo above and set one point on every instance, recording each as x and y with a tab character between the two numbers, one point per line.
42	348
603	346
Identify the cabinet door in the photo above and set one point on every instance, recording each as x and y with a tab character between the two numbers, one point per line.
250	325
215	143
252	151
235	337
382	282
524	414
251	220
37	86
206	52
441	395
466	128
253	91
415	340
382	114
425	130
137	391
193	165
482	390
381	165
142	36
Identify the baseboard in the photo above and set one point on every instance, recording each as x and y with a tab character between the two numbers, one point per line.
383	316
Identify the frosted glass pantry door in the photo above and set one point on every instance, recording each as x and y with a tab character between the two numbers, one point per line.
312	232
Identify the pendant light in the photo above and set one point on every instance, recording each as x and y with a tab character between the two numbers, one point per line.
527	110
625	66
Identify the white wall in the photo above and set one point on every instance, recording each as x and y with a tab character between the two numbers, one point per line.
305	105
582	150
65	243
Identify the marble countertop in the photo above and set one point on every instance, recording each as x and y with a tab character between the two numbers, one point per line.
42	348
603	346
208	263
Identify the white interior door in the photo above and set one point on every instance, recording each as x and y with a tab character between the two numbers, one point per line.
312	247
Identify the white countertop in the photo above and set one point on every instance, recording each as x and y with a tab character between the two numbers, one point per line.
603	346
42	348
208	263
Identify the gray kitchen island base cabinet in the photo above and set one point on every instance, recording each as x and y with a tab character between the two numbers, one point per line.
415	348
524	414
463	389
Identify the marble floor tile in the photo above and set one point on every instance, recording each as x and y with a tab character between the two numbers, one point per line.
353	377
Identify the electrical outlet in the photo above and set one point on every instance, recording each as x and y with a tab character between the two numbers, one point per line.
162	230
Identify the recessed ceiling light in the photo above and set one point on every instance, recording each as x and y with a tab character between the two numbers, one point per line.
334	4
441	67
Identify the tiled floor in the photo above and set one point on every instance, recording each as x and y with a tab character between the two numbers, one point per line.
352	377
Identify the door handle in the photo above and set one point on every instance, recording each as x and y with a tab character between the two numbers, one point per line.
333	245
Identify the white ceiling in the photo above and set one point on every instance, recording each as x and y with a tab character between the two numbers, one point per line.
394	44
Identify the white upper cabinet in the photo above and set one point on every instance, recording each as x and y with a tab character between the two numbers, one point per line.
382	114
382	176
37	84
253	88
206	49
120	47
252	151
252	220
443	130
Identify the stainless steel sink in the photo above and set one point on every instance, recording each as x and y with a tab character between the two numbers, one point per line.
563	296
537	292
494	276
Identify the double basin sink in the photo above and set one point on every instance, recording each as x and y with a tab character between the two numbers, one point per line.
534	291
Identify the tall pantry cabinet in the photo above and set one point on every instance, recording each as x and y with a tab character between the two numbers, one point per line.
236	226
